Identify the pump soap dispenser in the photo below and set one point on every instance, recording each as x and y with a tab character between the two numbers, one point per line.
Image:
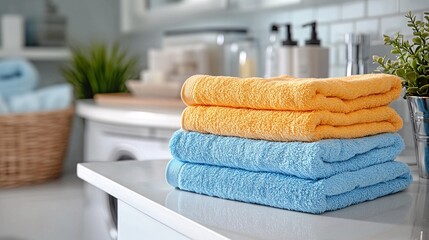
272	52
286	53
311	60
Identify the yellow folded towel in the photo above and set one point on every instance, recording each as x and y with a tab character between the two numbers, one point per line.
345	94
290	125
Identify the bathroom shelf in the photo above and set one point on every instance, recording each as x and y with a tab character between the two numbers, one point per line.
138	16
38	53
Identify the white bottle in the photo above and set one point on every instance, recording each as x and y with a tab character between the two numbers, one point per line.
12	32
271	53
286	54
312	60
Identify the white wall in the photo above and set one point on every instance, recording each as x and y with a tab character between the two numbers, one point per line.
374	17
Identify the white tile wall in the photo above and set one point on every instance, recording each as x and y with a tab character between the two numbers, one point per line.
323	32
277	17
382	7
412	5
337	71
328	13
333	55
353	10
338	30
374	17
392	25
302	16
300	34
341	55
368	26
421	14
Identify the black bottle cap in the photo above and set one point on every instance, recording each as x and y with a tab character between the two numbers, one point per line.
274	27
313	39
288	41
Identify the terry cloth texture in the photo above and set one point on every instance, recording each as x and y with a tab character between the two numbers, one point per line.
312	160
289	192
290	125
342	94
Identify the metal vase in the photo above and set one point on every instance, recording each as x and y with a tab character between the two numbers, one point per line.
419	112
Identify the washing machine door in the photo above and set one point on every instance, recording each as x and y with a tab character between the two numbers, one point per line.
121	154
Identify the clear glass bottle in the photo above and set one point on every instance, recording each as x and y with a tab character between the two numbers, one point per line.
243	58
248	58
271	53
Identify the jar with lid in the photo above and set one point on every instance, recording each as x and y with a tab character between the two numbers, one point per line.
242	58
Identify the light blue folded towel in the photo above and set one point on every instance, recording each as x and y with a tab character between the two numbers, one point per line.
24	103
55	97
4	108
17	76
45	99
289	192
312	160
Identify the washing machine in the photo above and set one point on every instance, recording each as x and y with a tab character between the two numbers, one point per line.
117	134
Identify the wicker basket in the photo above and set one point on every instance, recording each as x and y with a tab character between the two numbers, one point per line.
33	146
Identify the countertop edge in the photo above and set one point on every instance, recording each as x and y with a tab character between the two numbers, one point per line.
127	116
156	211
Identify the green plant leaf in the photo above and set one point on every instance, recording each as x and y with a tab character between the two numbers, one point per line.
400	73
424	89
411	76
412	90
99	69
414	63
395	51
417	40
386	38
411	63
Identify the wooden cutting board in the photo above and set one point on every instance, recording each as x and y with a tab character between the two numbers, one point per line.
125	99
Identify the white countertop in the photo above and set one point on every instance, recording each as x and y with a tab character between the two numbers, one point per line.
142	184
144	116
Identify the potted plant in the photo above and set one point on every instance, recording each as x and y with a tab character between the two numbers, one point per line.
412	66
99	68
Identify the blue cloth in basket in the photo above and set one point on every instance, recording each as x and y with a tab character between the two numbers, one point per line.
17	76
50	98
4	108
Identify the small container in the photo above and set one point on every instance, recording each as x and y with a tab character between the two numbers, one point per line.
154	90
357	53
419	112
311	60
286	53
12	32
243	58
272	53
152	77
216	41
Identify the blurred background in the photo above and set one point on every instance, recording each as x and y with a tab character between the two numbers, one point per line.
63	53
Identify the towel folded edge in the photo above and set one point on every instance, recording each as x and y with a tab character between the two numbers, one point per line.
172	172
400	183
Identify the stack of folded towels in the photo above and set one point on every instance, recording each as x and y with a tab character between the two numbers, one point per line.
18	93
310	145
